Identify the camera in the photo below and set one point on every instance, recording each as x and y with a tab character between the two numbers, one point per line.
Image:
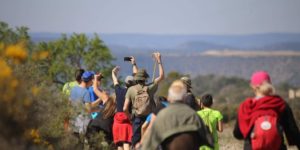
127	58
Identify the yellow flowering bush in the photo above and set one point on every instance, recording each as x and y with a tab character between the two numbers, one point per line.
17	52
32	108
29	111
40	55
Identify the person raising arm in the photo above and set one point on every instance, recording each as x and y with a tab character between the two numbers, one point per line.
157	57
100	93
134	66
161	76
102	96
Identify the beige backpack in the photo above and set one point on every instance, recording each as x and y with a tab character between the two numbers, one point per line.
142	103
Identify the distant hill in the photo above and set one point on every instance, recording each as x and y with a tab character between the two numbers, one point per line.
192	54
270	41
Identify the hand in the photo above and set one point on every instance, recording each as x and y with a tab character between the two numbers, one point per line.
157	56
116	70
132	60
97	76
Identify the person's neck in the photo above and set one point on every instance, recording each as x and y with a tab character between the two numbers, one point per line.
204	107
257	94
83	85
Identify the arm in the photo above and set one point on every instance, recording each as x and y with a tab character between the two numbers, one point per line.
220	126
144	128
161	76
153	117
134	66
237	132
126	106
100	93
127	101
114	73
92	107
290	127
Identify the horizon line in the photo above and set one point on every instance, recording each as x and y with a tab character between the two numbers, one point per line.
167	34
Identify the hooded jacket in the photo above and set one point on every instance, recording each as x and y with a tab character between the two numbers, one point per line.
251	109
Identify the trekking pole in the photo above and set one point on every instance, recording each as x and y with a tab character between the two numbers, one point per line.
154	70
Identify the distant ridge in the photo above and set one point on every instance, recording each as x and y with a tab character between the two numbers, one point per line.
232	55
192	43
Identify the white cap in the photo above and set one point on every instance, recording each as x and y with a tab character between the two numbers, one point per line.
128	79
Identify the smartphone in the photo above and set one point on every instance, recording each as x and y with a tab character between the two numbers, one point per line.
127	58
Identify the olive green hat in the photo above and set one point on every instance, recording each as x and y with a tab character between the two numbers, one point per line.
187	81
141	75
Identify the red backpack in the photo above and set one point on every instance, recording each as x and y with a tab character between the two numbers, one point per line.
265	134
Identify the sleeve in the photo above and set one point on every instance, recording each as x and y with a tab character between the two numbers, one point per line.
290	127
148	119
219	116
128	94
153	88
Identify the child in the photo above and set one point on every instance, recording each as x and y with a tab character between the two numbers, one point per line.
262	119
212	118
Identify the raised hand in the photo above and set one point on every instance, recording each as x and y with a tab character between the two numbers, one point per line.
157	56
116	70
132	60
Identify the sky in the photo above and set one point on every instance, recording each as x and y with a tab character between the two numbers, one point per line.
218	17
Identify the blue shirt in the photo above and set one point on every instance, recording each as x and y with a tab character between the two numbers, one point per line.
80	94
94	97
148	119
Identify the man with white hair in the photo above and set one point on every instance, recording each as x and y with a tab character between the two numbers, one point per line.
177	126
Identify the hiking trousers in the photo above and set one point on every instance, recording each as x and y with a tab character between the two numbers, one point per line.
137	123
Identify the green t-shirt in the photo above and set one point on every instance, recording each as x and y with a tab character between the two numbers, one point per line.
211	118
68	87
131	92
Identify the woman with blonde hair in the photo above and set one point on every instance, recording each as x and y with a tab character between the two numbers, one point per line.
263	119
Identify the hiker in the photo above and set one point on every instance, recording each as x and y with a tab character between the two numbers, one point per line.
93	98
69	85
140	97
211	118
262	119
82	105
189	98
177	126
103	121
67	91
122	128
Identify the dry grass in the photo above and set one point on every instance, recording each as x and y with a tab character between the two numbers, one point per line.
228	142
